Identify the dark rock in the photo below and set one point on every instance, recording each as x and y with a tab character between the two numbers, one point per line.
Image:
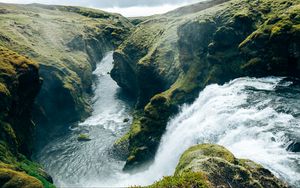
169	58
83	138
294	147
126	120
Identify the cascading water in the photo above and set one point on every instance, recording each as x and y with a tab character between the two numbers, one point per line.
254	118
76	164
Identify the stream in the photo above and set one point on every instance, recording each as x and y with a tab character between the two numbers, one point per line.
257	119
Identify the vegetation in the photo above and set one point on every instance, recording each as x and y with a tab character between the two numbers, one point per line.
67	42
172	57
208	165
83	137
184	180
164	62
19	84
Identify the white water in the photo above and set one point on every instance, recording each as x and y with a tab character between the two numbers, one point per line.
253	118
244	117
79	164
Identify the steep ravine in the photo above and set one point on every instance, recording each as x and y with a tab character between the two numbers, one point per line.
20	82
67	42
163	62
170	58
91	163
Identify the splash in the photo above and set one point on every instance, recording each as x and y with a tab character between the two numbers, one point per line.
253	118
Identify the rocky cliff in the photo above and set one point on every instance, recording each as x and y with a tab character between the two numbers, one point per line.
169	58
19	85
67	42
208	165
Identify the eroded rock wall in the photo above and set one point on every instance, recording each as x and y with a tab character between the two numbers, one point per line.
170	58
20	83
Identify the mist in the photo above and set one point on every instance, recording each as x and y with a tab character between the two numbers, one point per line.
127	8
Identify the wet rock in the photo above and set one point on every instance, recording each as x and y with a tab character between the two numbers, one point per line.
67	56
126	120
11	178
294	147
83	138
19	85
212	165
170	58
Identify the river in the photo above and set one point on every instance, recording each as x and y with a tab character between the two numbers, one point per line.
257	119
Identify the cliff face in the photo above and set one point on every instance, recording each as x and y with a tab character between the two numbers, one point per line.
19	85
208	165
169	58
67	42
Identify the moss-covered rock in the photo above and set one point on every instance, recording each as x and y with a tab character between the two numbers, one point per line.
209	165
10	178
175	55
19	85
67	42
83	138
184	180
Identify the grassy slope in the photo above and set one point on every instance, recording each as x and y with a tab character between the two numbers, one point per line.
67	42
179	53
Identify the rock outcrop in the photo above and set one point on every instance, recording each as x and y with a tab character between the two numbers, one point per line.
67	42
209	165
169	58
19	85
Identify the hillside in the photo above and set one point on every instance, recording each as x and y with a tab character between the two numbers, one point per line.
47	55
169	58
67	42
180	74
19	85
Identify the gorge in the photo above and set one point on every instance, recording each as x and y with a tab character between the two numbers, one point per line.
206	95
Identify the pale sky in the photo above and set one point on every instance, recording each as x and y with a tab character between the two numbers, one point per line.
124	7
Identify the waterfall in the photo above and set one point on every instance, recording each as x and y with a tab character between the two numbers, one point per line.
253	118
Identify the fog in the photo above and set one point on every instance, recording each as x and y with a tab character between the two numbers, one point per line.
127	8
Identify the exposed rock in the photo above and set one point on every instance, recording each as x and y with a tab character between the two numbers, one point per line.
126	120
209	165
10	178
19	85
175	55
83	138
294	147
67	42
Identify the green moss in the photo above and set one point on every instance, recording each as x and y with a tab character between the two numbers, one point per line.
209	165
10	60
83	137
9	132
35	170
204	150
4	90
15	169
173	57
6	157
68	55
222	169
135	128
20	165
11	178
185	180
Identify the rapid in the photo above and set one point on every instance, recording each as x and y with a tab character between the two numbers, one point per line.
255	118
